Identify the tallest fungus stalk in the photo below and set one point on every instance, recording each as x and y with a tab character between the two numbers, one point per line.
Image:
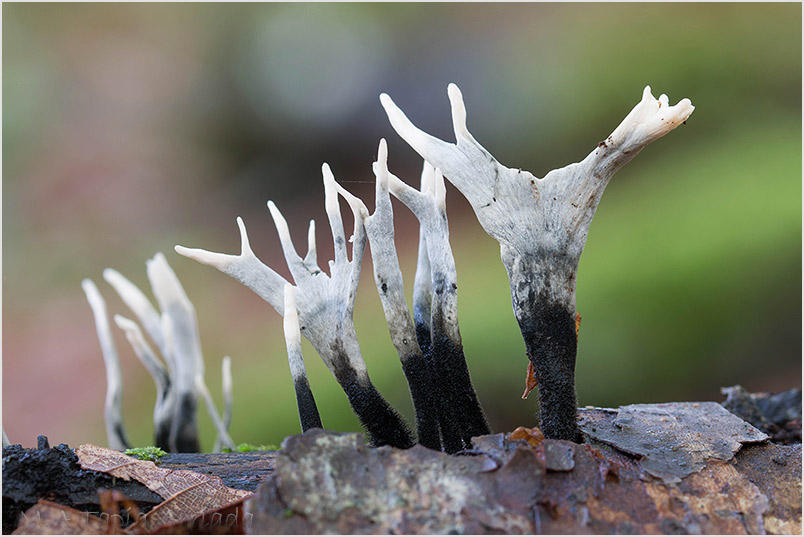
541	225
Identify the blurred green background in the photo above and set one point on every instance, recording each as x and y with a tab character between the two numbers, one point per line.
128	128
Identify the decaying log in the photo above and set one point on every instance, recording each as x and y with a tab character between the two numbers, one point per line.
682	477
669	468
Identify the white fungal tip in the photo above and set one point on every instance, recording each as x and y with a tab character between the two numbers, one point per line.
458	113
213	259
94	297
330	191
439	189
245	246
380	168
89	286
125	324
428	178
112	276
165	283
311	236
651	119
281	224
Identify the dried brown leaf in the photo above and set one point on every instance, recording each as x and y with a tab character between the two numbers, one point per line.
531	380
534	436
48	518
188	495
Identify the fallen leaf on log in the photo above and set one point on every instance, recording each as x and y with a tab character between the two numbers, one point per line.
533	437
48	518
190	497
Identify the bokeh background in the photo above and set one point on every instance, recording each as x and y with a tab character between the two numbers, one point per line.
129	128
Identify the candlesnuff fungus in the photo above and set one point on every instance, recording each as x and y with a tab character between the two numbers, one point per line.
325	306
541	225
180	380
430	351
308	410
113	407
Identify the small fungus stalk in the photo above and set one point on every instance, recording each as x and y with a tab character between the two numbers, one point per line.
541	225
228	400
113	408
379	228
325	306
174	330
459	407
308	411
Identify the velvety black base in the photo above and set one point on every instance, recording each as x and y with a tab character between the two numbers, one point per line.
162	435
460	415
383	425
552	344
308	411
183	429
121	434
443	402
456	379
423	394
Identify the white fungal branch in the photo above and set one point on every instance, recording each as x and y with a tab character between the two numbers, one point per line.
228	400
325	302
292	332
163	409
541	225
244	267
325	305
174	330
423	286
308	411
379	228
429	206
525	213
419	373
113	407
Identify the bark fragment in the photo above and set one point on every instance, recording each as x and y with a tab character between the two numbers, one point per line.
673	439
332	483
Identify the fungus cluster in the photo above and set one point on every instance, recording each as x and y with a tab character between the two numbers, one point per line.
540	223
179	375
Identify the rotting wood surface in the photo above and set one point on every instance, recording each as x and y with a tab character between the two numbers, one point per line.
324	482
332	483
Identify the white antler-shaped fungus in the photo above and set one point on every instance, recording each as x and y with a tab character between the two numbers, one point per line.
113	408
305	402
444	344
541	225
174	330
325	306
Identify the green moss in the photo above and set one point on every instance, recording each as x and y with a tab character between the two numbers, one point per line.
149	453
242	448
